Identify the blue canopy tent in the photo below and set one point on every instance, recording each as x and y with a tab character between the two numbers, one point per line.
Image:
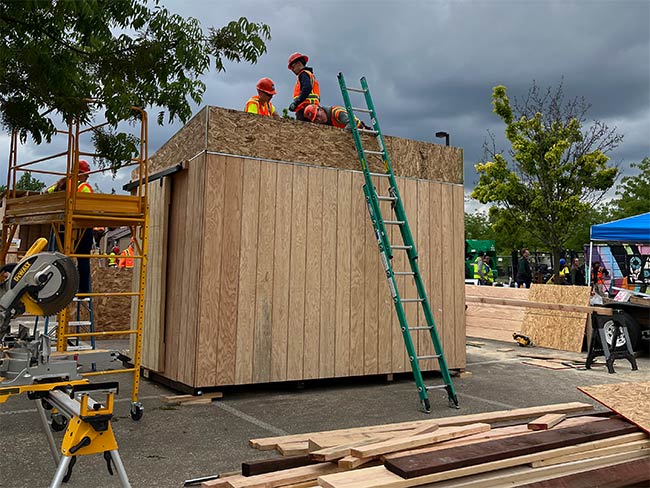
634	229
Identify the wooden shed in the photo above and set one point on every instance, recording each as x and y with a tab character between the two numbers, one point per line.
263	265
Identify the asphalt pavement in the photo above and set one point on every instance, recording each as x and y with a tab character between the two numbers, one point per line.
171	444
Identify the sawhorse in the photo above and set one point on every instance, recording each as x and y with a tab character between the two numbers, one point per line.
598	345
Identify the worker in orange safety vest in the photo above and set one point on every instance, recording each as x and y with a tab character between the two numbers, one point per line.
127	260
335	116
82	180
306	90
261	103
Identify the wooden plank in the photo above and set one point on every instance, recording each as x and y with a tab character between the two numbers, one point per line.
547	421
252	468
344	232
281	269
247	267
554	328
209	318
410	442
486	417
434	249
185	399
353	462
446	329
491	434
380	477
630	400
297	275
264	281
489	451
293	448
313	273
385	307
398	349
357	285
370	295
410	200
630	473
459	357
230	271
545	364
606	450
284	477
423	337
341	450
541	305
327	342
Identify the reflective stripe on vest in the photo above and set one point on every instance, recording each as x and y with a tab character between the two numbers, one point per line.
254	106
314	95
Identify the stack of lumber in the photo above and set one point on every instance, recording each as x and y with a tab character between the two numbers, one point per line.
466	450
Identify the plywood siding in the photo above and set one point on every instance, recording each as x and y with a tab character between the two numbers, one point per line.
290	281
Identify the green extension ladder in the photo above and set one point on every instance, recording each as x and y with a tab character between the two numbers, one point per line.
386	248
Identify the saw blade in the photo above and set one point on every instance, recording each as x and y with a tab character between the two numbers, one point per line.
59	290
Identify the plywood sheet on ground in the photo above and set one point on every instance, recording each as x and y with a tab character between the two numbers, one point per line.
496	322
630	400
553	328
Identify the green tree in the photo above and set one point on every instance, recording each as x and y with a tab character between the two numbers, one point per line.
26	182
477	226
558	172
633	193
57	54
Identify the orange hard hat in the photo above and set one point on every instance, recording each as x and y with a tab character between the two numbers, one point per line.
266	85
297	56
310	112
84	167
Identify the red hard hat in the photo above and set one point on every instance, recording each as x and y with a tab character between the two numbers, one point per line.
116	249
310	112
84	167
295	57
266	85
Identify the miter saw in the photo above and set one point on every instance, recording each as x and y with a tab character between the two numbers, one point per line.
43	284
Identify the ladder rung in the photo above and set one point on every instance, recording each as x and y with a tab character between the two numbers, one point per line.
394	222
358	90
380	175
382	197
365	110
368	131
368	151
403	273
412	300
420	328
433	356
435	387
73	323
402	248
77	299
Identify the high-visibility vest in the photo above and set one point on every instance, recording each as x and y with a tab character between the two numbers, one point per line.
112	261
335	115
314	95
478	262
564	273
82	187
127	260
254	106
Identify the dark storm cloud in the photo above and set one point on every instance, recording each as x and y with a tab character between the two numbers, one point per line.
431	65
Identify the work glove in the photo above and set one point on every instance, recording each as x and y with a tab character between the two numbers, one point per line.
292	107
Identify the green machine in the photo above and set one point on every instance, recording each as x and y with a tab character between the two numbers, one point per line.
472	248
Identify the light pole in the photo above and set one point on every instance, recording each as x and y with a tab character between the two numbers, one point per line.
442	134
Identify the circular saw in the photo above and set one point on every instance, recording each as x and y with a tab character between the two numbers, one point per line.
42	283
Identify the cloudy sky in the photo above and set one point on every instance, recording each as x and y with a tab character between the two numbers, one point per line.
431	65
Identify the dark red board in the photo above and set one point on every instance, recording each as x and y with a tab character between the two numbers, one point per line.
484	452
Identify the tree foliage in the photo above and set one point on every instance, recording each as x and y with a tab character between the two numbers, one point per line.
633	193
123	53
557	171
27	182
477	226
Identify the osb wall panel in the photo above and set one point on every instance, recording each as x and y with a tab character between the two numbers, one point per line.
630	400
185	144
239	133
555	328
497	322
291	285
242	134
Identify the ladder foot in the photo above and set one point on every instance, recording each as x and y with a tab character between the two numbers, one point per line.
426	405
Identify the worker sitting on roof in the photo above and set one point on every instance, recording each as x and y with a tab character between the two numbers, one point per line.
335	116
306	90
261	103
83	186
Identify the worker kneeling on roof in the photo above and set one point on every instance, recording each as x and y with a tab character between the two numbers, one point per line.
335	116
261	103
